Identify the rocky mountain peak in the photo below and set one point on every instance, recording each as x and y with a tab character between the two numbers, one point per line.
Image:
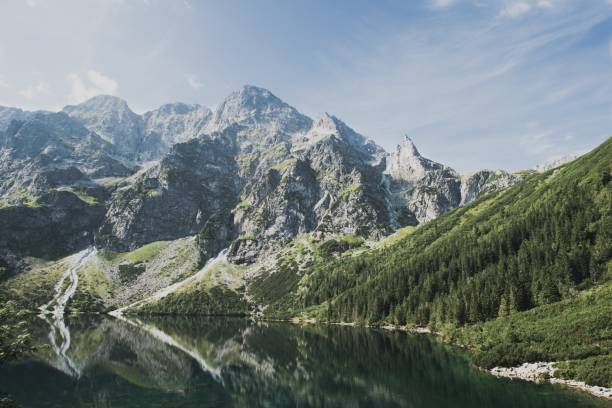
261	110
173	123
407	164
327	125
100	103
408	147
112	119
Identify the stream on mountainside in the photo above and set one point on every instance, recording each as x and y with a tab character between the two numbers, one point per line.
232	362
55	317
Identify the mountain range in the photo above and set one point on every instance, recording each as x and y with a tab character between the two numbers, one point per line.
250	176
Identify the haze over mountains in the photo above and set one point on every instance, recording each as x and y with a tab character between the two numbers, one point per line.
255	173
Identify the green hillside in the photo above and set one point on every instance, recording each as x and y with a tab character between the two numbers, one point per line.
536	243
575	331
509	276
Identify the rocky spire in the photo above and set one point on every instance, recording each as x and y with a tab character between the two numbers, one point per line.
409	147
407	164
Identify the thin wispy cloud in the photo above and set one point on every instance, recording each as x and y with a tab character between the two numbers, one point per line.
517	9
474	88
462	77
442	4
193	82
92	84
522	8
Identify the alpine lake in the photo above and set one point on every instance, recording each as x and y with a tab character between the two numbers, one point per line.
104	361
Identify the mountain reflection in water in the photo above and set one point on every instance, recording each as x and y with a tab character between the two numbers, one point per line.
205	362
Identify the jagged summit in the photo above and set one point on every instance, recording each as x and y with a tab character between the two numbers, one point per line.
408	147
247	101
99	103
259	115
140	137
327	125
407	164
111	118
173	123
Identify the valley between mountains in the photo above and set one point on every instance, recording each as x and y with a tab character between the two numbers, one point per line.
255	209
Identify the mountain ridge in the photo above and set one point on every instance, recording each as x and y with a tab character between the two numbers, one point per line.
290	174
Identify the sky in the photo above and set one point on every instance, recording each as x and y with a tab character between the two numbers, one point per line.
475	83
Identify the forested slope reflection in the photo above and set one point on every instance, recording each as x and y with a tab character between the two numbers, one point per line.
189	362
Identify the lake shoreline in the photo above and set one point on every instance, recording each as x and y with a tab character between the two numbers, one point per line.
544	372
537	372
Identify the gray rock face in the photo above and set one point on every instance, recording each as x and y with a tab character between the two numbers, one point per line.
171	124
175	197
51	150
278	207
59	225
112	119
436	193
407	165
420	189
250	176
484	182
7	115
140	137
326	182
258	116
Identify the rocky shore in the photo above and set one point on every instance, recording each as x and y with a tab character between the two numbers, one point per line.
540	371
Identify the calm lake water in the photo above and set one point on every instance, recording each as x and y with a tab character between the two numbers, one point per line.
218	362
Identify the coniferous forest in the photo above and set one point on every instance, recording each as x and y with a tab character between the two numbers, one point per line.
534	244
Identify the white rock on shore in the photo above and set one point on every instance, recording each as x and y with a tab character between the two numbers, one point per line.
541	371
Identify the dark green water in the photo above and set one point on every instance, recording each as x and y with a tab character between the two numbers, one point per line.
217	362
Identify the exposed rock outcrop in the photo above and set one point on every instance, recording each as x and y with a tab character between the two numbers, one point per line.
420	189
250	176
60	224
173	198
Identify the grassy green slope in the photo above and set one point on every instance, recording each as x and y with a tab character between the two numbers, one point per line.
217	292
104	276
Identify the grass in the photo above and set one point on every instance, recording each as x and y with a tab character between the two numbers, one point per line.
244	205
25	198
93	277
86	198
397	236
339	244
33	288
96	288
575	332
143	254
284	164
153	193
109	181
199	299
350	190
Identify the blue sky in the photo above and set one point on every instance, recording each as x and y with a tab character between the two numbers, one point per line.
476	84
